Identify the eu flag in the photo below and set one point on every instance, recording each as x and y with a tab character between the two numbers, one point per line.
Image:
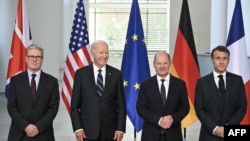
135	67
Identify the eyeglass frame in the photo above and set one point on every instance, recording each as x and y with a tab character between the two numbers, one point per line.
32	57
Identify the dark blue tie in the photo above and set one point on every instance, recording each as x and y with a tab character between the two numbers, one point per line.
221	84
99	86
163	92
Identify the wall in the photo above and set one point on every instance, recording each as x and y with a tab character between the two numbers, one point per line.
51	22
46	23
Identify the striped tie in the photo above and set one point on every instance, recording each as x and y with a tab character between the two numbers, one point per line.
99	86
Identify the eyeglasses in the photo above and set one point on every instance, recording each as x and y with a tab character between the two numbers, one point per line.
38	58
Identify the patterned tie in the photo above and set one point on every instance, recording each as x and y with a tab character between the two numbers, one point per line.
163	92
99	86
33	86
221	84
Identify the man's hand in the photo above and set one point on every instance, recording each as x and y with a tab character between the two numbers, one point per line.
118	136
220	131
166	121
31	130
80	135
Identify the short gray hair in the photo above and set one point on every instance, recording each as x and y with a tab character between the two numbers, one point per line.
34	46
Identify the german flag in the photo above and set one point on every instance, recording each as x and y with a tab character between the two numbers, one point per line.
185	63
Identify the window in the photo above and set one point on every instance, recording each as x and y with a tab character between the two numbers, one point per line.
108	20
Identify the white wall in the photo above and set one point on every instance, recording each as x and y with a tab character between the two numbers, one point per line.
51	22
221	16
46	23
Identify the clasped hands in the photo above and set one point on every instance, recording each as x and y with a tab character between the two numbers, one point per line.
166	121
31	130
220	131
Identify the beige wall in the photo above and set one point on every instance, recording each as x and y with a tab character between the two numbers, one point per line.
200	19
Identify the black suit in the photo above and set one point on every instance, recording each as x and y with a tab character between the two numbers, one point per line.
98	114
24	110
208	103
150	108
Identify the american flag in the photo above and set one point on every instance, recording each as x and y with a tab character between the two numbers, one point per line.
20	41
79	52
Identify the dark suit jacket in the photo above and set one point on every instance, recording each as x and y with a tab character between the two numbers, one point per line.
207	104
23	110
97	114
150	108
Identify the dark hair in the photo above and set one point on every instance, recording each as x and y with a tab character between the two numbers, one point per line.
220	48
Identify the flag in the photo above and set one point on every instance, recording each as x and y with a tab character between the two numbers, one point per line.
238	53
185	63
135	67
78	54
21	39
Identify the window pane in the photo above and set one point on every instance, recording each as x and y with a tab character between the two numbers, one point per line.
110	22
126	1
110	25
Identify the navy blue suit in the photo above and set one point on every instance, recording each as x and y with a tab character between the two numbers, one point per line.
94	113
151	109
208	104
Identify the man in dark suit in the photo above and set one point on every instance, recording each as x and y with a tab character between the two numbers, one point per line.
32	114
162	103
219	102
98	111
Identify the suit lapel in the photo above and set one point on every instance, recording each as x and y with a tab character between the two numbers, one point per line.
107	80
27	84
171	88
229	85
41	83
213	88
92	78
157	94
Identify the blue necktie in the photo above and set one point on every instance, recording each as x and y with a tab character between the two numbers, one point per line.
221	84
163	92
99	86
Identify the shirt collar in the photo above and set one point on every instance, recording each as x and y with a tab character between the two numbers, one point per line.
166	78
217	74
96	68
38	73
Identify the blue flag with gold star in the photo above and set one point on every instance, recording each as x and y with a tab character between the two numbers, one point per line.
135	67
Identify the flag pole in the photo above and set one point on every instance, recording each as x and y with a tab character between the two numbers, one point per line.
185	53
134	134
135	67
184	134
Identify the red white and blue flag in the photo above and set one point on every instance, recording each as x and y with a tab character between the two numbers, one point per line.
78	54
20	41
238	53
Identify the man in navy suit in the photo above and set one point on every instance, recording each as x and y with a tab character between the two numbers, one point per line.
215	107
162	103
32	115
95	115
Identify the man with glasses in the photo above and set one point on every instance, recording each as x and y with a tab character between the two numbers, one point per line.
33	101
